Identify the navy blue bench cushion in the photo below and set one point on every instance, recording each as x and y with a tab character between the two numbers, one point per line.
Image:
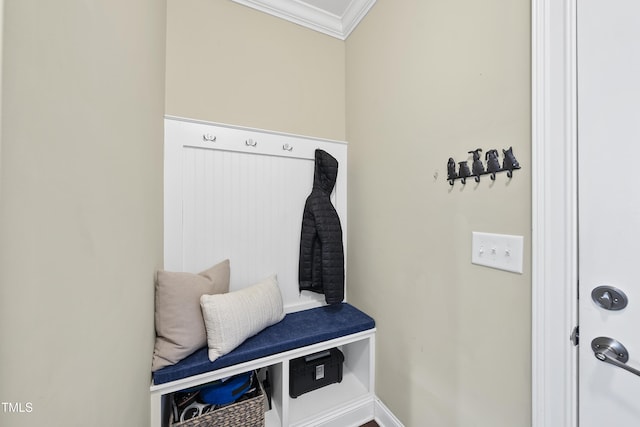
296	330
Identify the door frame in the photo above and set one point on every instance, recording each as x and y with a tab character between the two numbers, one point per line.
554	237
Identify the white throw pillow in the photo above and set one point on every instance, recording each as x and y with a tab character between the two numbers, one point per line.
233	317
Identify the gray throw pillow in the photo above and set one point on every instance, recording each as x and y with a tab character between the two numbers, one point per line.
180	328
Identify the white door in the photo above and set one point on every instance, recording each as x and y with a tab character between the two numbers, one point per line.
609	208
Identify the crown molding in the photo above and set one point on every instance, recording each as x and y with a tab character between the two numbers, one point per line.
312	17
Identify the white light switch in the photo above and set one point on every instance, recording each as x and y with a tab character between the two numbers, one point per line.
501	251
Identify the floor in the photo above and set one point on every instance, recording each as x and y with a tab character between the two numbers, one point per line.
370	424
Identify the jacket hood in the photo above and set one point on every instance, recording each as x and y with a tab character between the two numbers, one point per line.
326	172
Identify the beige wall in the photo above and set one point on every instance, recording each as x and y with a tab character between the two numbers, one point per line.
81	189
80	209
429	80
231	64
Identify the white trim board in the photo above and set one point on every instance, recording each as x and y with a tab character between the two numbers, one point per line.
312	17
554	213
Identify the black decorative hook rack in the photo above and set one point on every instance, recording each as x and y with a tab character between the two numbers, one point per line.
509	164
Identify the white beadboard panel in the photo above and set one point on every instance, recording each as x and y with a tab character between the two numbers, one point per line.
227	199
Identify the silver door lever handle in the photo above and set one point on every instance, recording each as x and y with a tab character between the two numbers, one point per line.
613	352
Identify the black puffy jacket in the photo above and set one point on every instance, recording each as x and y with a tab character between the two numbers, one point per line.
321	267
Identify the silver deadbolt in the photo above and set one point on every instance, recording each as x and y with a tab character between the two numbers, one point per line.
609	298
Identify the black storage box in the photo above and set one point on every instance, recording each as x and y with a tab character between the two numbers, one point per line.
315	371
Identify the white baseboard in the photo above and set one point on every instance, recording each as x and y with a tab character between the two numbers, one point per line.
355	414
383	415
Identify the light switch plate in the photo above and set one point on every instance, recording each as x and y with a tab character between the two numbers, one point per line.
501	251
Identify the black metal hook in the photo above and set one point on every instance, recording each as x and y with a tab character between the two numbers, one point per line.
509	164
493	164
451	171
477	167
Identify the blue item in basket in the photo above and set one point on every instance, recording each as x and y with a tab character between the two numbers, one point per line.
227	391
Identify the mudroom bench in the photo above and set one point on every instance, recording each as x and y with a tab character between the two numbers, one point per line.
299	334
238	193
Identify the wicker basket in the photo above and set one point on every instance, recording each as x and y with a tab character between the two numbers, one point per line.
247	413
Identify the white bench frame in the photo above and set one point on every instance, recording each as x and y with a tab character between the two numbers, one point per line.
359	368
